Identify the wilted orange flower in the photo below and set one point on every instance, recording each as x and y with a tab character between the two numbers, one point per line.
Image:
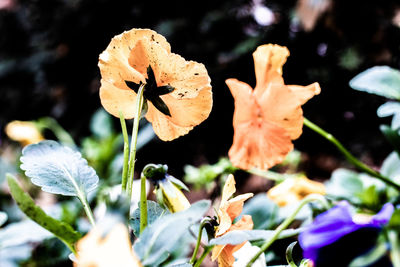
267	118
292	190
24	132
228	210
178	92
113	250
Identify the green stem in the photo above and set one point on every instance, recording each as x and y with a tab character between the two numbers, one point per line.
203	256
394	248
126	151
286	223
135	130
353	160
196	249
143	204
86	208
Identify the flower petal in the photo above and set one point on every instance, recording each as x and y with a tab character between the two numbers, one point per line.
114	62
259	144
188	78
164	128
188	112
282	106
224	253
114	250
245	103
268	62
235	205
326	229
115	99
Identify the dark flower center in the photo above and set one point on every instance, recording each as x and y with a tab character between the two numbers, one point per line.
152	92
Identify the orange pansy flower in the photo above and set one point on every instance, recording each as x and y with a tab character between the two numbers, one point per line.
178	92
228	210
113	250
267	118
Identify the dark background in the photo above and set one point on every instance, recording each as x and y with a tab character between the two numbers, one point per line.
49	53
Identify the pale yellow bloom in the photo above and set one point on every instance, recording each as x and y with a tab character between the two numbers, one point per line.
113	250
173	197
24	132
293	190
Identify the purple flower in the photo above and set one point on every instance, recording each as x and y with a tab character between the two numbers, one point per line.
335	225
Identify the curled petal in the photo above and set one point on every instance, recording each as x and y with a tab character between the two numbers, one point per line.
115	100
268	62
230	208
281	105
114	62
245	103
235	205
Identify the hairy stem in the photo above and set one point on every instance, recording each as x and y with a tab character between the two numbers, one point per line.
126	152
135	130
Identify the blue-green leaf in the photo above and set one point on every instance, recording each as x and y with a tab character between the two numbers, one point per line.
236	237
263	211
391	109
380	80
157	240
58	169
154	211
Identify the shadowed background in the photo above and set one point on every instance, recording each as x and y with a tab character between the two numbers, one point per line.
49	53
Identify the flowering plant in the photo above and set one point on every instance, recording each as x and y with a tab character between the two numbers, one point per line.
149	221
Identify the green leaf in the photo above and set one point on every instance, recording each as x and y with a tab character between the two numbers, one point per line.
159	238
394	222
380	80
154	212
60	229
236	237
58	169
263	211
392	136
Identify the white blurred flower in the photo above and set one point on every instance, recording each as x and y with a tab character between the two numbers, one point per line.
246	253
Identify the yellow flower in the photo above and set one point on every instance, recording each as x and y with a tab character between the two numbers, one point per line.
24	132
228	210
172	196
113	250
178	92
292	190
